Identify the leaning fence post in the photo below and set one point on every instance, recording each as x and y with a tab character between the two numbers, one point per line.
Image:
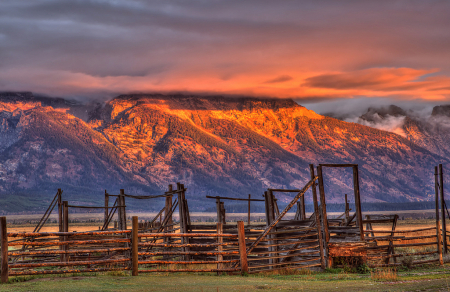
242	247
439	243
134	245
4	247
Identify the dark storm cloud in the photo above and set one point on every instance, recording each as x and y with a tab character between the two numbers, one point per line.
300	49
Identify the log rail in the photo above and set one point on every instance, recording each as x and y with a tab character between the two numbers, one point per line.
136	250
425	248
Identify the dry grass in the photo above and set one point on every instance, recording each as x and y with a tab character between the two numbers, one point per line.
288	271
385	275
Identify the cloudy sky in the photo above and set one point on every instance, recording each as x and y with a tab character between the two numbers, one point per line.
309	50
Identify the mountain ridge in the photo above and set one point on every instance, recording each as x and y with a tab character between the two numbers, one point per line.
214	145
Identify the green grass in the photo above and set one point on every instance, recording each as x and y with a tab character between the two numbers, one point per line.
424	279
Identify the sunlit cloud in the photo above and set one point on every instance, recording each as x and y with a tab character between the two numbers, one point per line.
403	82
307	50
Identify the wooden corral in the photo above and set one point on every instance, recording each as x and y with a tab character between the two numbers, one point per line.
164	245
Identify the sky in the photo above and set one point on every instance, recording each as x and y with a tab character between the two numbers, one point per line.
321	53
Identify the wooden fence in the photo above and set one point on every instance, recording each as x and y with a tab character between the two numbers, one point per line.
286	246
155	246
400	247
40	253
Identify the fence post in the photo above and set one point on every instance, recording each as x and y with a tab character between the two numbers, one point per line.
4	246
358	209
444	224
123	213
60	222
249	198
436	192
302	208
220	247
65	228
219	210
134	245
317	212
168	208
242	247
106	209
324	221
347	209
439	243
60	211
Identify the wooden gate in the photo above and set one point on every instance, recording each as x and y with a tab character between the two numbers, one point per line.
288	243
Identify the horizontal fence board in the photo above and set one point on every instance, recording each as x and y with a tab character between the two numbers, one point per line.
189	270
288	243
50	252
67	264
162	262
286	263
187	244
401	245
50	272
286	250
188	253
284	256
186	235
289	237
300	267
402	255
400	231
73	242
45	234
292	230
387	238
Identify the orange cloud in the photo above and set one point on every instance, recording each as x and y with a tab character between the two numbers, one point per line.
295	49
378	82
405	83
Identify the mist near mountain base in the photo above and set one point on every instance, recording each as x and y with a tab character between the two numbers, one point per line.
387	114
389	123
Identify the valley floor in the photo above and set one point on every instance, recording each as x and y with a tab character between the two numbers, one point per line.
420	279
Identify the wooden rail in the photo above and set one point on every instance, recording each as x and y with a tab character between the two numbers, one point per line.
380	254
98	251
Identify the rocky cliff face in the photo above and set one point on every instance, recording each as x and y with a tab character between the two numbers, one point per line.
214	145
43	148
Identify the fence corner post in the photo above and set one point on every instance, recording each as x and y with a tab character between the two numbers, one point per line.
242	247
4	250
134	246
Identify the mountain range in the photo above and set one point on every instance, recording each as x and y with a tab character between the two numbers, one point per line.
215	145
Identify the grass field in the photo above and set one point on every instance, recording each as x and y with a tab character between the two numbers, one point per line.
421	279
